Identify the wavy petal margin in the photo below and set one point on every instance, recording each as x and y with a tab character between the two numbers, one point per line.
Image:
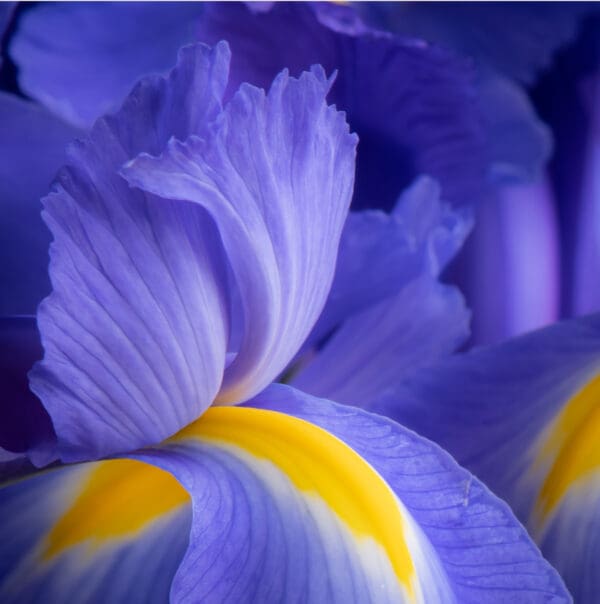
135	330
276	176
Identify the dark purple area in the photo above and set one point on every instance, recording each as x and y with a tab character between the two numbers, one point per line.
25	423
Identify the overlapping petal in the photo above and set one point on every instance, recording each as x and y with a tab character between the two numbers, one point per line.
520	49
276	176
112	531
135	331
523	416
137	328
412	104
292	497
380	253
81	59
375	349
392	314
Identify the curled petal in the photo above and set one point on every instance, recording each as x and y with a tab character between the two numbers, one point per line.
276	177
135	330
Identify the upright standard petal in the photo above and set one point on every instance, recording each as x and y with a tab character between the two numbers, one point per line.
111	531
81	59
135	330
524	417
32	146
276	176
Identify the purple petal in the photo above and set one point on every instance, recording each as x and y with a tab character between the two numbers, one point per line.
377	348
510	271
520	143
111	531
582	234
276	176
484	552
135	331
81	59
523	416
24	423
32	146
380	253
6	13
412	104
394	316
521	48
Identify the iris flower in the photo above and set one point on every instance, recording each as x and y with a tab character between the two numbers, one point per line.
194	248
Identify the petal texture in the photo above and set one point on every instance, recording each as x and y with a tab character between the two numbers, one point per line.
380	253
110	531
276	176
524	417
136	328
57	47
484	552
377	348
396	317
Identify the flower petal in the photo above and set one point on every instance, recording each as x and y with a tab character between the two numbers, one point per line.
32	144
58	46
395	317
111	531
520	49
482	550
520	143
380	253
375	349
581	233
508	271
283	508
411	104
135	331
524	417
276	176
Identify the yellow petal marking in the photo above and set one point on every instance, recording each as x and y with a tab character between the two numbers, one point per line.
117	499
316	462
572	444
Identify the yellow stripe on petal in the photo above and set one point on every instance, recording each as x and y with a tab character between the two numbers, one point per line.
117	499
570	448
317	463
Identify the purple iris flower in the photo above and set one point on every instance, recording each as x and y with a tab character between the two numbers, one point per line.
195	244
